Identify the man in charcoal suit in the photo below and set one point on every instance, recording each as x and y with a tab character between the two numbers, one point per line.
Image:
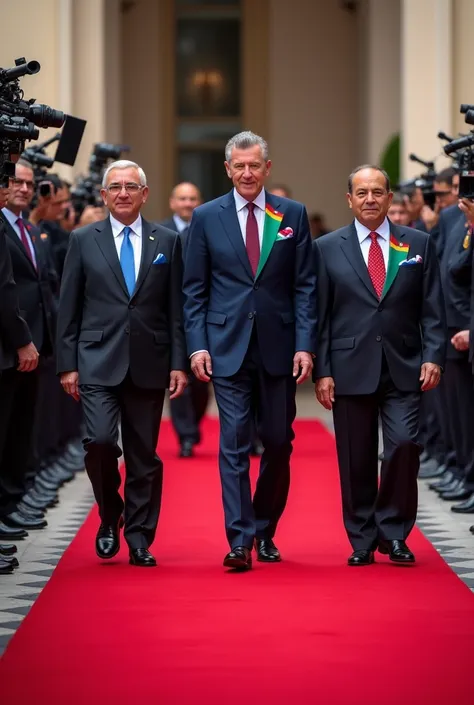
188	410
250	321
120	345
382	341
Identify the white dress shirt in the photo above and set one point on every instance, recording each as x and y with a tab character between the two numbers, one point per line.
243	212
242	215
383	239
12	218
135	238
180	223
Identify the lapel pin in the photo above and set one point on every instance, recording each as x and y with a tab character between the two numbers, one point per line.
151	238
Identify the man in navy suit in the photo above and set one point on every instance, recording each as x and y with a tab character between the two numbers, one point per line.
382	341
250	323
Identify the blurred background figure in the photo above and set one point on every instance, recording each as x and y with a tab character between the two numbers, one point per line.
281	190
187	410
317	225
398	212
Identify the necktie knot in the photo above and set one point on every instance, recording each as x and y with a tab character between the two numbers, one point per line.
251	207
127	231
374	236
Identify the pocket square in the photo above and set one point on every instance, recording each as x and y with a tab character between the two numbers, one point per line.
160	259
414	260
285	234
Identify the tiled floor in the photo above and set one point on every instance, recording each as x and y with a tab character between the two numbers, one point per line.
41	551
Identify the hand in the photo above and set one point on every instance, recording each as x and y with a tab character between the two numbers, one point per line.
429	217
178	383
201	365
460	341
27	358
430	376
467	207
302	366
70	384
324	389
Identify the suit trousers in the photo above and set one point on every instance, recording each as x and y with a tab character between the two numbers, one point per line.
188	410
371	511
18	395
140	413
460	411
248	393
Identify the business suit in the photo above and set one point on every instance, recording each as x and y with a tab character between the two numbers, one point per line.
251	325
37	308
373	349
188	410
123	348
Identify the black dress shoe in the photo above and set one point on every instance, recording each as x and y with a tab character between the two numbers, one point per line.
43	485
186	450
142	558
7	549
466	507
11	560
431	470
471	529
240	558
267	552
107	541
361	557
17	520
456	495
450	487
27	511
397	551
5	568
446	478
10	533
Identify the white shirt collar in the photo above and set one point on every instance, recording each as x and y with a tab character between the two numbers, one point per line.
10	216
241	202
117	226
363	232
180	223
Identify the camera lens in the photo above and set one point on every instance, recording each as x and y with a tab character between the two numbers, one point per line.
44	116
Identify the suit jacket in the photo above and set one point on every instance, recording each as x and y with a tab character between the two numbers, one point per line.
223	299
183	235
33	287
355	327
461	264
103	332
14	332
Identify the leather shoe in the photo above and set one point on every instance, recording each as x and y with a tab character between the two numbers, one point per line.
361	557
471	529
466	507
431	470
10	533
11	560
7	549
186	450
5	568
107	541
446	478
397	551
240	558
142	558
267	552
17	520
456	495
27	511
450	487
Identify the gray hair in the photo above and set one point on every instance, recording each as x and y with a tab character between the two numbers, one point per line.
124	164
368	166
245	140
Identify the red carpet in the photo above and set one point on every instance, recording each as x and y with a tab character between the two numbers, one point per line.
309	630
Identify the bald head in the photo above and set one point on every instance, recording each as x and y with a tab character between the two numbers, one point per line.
184	199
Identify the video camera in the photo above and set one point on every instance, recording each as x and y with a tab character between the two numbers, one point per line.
425	182
19	118
87	189
462	149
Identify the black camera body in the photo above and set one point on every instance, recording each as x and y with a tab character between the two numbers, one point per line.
19	118
462	150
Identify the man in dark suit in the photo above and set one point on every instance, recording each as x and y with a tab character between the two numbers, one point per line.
250	322
382	341
188	410
16	350
120	345
31	274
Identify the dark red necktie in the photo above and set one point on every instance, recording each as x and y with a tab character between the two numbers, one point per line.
376	265
252	242
24	241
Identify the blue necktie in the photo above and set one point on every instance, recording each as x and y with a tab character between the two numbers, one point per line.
127	261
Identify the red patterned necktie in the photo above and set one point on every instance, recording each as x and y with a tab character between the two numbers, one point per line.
376	265
252	242
24	241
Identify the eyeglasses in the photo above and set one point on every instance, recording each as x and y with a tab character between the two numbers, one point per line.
130	187
19	183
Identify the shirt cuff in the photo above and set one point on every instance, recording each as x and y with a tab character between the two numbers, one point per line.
198	351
